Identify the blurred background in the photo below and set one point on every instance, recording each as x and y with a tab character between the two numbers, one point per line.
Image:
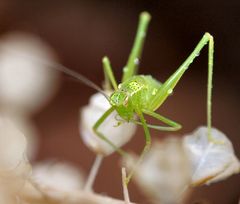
82	32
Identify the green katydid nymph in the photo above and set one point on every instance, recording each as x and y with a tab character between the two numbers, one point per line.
140	95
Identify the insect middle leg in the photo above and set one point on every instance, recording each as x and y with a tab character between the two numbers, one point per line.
172	125
146	147
103	137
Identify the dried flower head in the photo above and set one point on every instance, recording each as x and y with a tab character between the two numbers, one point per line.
164	172
59	176
117	132
211	161
14	167
26	84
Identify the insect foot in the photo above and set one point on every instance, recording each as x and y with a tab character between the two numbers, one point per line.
118	135
211	162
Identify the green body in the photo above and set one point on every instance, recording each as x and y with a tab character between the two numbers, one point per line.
135	94
140	95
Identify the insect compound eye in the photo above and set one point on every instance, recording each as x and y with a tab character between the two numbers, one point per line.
118	98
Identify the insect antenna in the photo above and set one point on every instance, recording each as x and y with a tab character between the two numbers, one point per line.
77	76
63	69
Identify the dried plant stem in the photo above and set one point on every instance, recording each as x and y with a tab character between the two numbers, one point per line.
93	173
30	194
125	189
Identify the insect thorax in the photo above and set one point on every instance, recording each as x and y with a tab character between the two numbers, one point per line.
134	94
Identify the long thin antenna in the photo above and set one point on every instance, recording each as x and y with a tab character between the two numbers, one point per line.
76	75
63	69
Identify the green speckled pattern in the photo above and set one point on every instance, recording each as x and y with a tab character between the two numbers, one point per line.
135	93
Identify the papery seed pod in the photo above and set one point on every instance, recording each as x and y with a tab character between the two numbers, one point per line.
27	127
26	84
117	132
58	176
14	166
6	197
211	161
12	145
164	172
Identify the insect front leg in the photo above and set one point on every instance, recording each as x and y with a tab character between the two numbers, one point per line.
104	138
167	87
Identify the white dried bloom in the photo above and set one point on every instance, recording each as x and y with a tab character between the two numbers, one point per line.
164	172
26	84
33	195
6	197
57	176
211	161
14	167
12	145
117	134
26	126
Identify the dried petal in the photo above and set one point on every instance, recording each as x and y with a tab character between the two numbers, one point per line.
25	125
14	167
12	145
211	161
5	197
164	172
57	176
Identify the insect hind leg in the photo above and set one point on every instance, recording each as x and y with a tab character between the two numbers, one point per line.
167	87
